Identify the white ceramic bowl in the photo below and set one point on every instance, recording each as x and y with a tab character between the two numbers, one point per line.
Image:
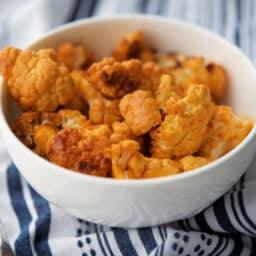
136	203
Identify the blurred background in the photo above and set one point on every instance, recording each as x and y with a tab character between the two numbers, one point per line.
22	21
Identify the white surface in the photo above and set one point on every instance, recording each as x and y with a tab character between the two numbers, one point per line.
142	202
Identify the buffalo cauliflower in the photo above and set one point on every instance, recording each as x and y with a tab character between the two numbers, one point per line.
37	80
113	78
225	131
122	131
42	137
30	122
183	129
150	76
140	111
67	138
170	60
75	56
101	109
165	90
192	162
144	113
128	162
86	151
24	127
133	46
194	70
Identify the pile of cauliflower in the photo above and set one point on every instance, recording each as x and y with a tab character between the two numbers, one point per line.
136	114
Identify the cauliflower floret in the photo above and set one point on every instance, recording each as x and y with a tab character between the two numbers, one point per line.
65	118
8	57
29	122
170	60
183	129
225	131
121	131
50	118
114	79
37	80
98	130
165	90
34	129
75	56
91	95
192	162
112	112
160	167
133	46
24	127
121	153
72	119
85	151
217	80
101	109
129	163
140	111
42	138
150	76
194	70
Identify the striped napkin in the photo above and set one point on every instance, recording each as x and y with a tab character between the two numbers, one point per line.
35	227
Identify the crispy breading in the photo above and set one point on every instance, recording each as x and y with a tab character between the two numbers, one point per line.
75	56
85	151
133	46
37	80
183	129
225	131
192	162
140	111
129	163
194	70
101	109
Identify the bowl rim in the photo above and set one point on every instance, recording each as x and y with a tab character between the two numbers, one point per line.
129	182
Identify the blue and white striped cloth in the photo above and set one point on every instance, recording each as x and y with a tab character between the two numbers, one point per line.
36	227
